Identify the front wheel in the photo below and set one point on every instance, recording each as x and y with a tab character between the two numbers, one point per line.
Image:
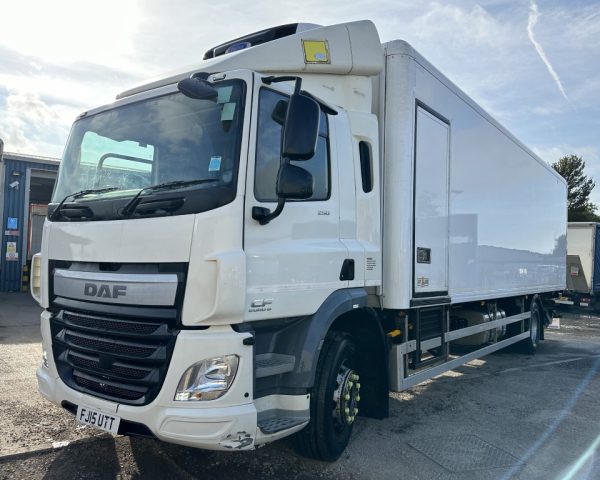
334	401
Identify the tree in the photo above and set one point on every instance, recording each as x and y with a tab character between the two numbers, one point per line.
581	209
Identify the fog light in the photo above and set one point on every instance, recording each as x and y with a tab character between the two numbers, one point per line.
208	379
45	359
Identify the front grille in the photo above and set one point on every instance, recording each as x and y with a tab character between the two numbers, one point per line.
110	324
112	357
93	363
86	342
108	389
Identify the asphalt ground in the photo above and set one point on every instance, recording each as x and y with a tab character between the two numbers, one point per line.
506	416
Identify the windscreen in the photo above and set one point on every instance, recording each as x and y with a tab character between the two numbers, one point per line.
161	139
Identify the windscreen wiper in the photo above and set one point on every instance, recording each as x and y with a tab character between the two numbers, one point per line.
76	195
132	204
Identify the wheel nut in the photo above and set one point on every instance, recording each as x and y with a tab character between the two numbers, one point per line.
347	411
358	398
347	397
350	384
358	386
355	412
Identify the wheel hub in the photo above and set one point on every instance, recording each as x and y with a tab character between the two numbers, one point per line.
346	397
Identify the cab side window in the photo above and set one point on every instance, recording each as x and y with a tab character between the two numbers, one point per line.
268	145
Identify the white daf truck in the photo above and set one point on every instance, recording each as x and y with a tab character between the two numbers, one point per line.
269	242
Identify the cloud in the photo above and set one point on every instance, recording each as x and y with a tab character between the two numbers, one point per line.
546	110
29	125
533	18
43	98
37	111
72	58
67	31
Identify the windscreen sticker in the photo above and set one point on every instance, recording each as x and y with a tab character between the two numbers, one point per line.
215	164
224	94
227	112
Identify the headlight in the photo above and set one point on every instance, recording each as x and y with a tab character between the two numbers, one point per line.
208	379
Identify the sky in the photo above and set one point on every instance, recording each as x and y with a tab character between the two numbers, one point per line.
533	64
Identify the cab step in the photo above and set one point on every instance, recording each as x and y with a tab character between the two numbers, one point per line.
268	364
279	420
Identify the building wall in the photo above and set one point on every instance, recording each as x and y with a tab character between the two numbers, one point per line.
14	206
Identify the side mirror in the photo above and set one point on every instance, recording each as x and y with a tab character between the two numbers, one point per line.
301	128
294	183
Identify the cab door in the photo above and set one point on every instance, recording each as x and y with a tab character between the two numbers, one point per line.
294	262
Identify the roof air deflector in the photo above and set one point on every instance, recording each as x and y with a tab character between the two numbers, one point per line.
257	38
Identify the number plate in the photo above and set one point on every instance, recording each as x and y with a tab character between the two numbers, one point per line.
97	419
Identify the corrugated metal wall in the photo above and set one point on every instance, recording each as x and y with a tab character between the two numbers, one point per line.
14	206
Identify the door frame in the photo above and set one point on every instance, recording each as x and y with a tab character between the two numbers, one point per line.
441	118
37	173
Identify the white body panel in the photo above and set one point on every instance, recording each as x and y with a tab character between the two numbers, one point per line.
581	241
507	208
213	240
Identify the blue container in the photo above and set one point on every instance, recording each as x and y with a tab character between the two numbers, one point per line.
15	170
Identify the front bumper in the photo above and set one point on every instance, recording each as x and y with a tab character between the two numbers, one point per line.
229	422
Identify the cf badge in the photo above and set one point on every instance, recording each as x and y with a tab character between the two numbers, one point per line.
261	305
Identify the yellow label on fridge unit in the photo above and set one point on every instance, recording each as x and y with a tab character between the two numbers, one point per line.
315	51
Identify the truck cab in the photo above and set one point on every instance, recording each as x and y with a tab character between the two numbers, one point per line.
159	254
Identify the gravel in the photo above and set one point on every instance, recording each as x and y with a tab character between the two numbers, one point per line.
504	416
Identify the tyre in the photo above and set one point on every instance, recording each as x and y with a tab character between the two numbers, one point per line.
334	400
529	345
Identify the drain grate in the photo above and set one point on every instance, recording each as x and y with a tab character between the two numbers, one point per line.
463	453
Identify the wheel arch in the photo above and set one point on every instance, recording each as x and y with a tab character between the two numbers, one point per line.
344	310
372	348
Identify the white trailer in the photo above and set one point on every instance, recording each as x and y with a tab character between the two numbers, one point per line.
583	265
262	243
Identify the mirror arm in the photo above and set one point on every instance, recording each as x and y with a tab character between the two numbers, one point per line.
263	215
274	79
328	109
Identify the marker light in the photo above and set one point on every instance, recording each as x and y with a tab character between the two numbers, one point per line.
36	277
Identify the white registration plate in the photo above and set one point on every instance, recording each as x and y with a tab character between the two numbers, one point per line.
95	418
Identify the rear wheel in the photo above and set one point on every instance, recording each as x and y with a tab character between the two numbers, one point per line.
529	345
334	401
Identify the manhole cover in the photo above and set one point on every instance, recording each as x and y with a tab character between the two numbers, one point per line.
463	453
